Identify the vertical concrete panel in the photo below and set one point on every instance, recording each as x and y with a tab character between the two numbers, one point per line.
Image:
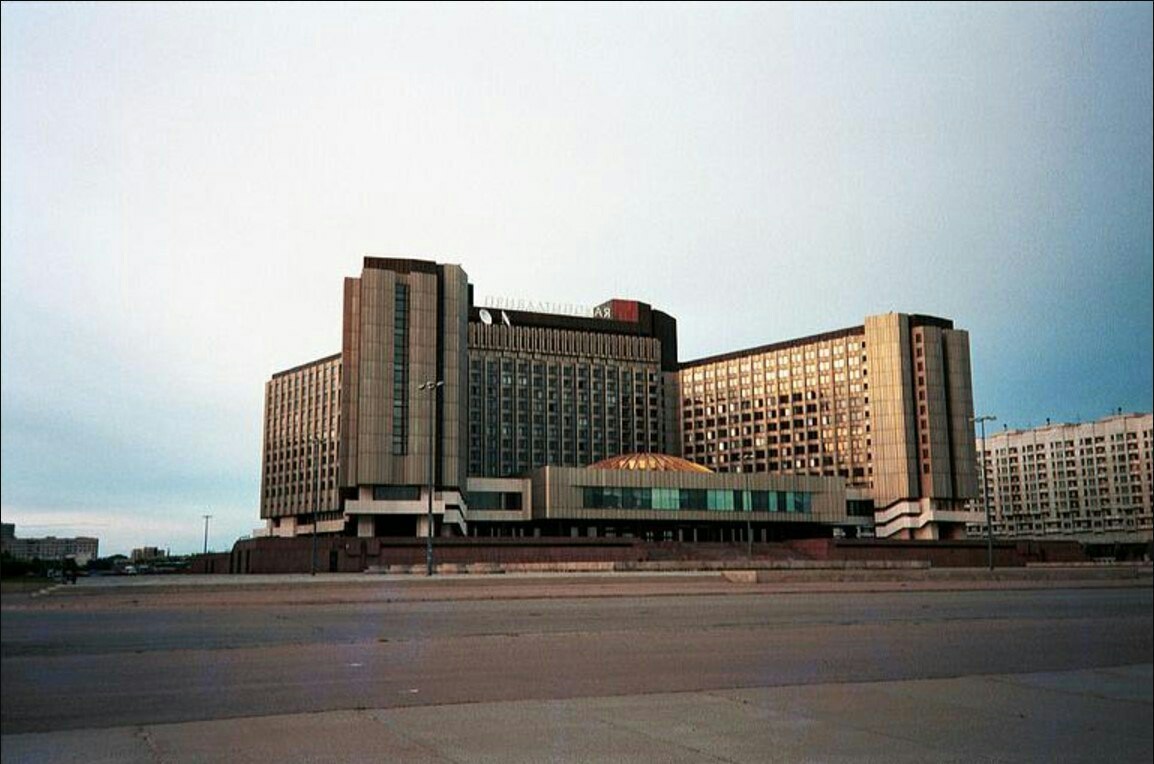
413	467
938	483
541	480
376	377
455	322
672	434
265	499
350	382
960	391
892	407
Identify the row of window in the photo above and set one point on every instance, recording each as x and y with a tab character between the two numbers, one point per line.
526	413
298	489
772	361
1001	529
296	408
563	342
401	370
699	499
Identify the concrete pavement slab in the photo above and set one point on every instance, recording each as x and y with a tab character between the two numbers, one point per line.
1092	697
338	737
1133	683
919	730
1003	717
528	731
1048	716
117	745
722	727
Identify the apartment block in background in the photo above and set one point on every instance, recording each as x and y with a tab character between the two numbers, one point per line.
81	548
1089	482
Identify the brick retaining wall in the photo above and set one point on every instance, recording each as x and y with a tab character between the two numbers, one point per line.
354	555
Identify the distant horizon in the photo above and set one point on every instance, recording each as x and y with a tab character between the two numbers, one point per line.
994	430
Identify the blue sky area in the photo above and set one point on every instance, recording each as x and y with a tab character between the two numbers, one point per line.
185	186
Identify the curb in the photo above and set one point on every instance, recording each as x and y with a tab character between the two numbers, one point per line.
45	590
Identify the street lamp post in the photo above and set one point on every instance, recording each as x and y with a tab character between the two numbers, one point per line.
318	441
981	420
206	519
317	499
432	387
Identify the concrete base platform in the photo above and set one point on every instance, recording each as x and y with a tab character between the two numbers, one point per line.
1090	715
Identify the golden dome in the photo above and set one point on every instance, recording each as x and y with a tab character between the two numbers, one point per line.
649	463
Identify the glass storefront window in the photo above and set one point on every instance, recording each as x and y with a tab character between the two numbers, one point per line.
666	498
696	499
692	498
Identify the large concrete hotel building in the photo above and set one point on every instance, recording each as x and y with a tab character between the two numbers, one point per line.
542	423
886	407
1089	482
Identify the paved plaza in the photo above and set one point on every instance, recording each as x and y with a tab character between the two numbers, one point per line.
587	668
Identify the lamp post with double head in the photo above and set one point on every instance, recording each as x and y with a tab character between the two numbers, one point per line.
432	387
981	420
319	442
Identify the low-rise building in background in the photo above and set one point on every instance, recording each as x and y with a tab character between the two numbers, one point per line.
82	548
147	553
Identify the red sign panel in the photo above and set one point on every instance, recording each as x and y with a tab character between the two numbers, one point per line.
624	310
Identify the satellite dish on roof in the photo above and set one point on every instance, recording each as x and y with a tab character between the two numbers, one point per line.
505	319
486	318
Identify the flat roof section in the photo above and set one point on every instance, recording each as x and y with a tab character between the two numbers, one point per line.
775	346
642	325
916	319
317	362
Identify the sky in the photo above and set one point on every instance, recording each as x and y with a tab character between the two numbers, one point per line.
184	187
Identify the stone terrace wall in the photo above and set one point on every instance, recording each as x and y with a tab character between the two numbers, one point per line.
354	555
969	553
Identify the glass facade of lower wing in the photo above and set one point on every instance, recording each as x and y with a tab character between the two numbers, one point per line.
494	500
697	499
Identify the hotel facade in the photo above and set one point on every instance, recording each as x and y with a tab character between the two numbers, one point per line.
538	423
1089	482
886	407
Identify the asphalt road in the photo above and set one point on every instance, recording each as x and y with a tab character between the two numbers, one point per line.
74	664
